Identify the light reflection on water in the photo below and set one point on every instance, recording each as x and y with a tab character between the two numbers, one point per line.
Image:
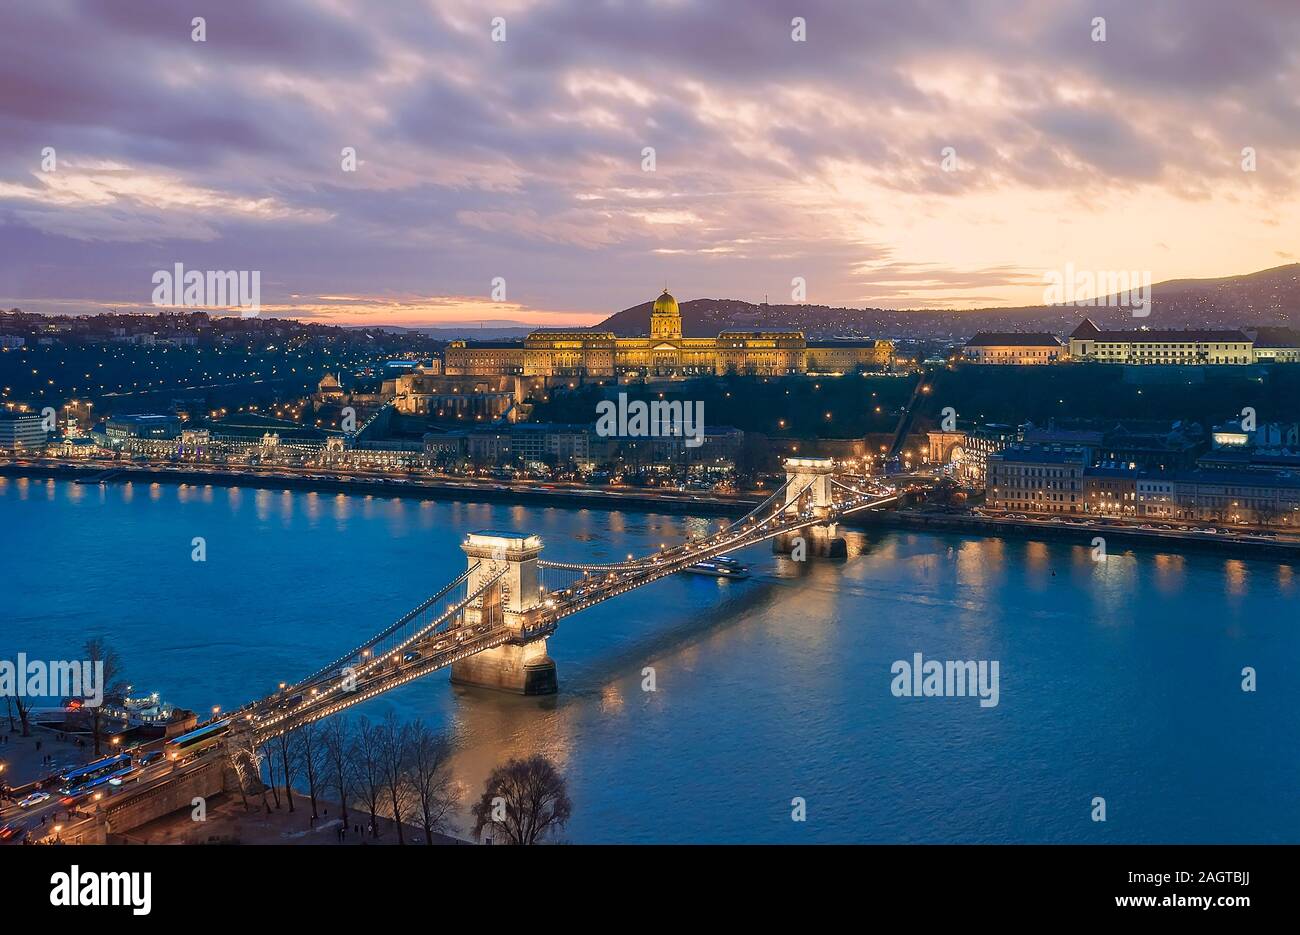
1118	677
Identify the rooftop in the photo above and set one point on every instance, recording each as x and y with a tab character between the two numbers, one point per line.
1014	339
1040	454
1240	478
1089	331
1276	337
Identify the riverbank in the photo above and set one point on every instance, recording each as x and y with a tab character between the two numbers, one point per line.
1083	534
228	820
414	488
38	755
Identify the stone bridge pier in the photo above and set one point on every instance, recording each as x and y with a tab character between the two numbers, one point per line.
521	667
822	539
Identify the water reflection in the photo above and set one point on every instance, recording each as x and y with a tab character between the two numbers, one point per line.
1236	577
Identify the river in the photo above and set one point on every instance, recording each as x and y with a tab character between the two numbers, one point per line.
1119	679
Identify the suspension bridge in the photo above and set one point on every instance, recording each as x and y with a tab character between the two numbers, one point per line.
489	625
491	622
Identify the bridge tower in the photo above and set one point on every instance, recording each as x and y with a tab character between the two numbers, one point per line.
520	666
823	539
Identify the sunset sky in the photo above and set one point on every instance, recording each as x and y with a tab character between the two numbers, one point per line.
522	159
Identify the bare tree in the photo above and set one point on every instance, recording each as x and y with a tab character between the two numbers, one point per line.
247	763
311	753
23	714
430	776
366	755
523	801
394	745
287	748
267	755
338	743
100	653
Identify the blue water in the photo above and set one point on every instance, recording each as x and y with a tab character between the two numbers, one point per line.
1119	679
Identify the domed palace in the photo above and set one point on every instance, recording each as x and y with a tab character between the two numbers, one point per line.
663	354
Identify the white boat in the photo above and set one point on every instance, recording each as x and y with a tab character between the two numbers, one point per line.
719	568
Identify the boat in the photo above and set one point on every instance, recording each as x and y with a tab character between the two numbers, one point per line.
719	568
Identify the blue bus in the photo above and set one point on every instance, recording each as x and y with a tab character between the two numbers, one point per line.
96	774
110	764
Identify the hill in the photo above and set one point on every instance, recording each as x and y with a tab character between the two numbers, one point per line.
1267	297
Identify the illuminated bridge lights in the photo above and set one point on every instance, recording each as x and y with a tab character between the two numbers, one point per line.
382	670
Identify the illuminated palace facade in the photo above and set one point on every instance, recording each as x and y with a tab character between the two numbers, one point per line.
664	353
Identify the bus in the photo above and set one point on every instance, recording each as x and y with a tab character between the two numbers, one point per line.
96	774
188	746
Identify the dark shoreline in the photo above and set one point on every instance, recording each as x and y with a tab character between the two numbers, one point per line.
428	489
1157	540
431	489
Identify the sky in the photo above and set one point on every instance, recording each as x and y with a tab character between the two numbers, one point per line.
918	154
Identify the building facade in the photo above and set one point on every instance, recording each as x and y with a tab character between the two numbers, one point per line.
1265	498
534	441
1036	479
1090	343
1276	345
664	353
152	427
21	431
1110	489
990	347
476	398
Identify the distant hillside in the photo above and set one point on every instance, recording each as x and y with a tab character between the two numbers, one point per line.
472	332
1271	296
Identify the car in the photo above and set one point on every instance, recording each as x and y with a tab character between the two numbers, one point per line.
1145	526
13	830
35	798
411	656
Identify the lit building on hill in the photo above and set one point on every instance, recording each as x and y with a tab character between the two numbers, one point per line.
664	353
990	347
1168	346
